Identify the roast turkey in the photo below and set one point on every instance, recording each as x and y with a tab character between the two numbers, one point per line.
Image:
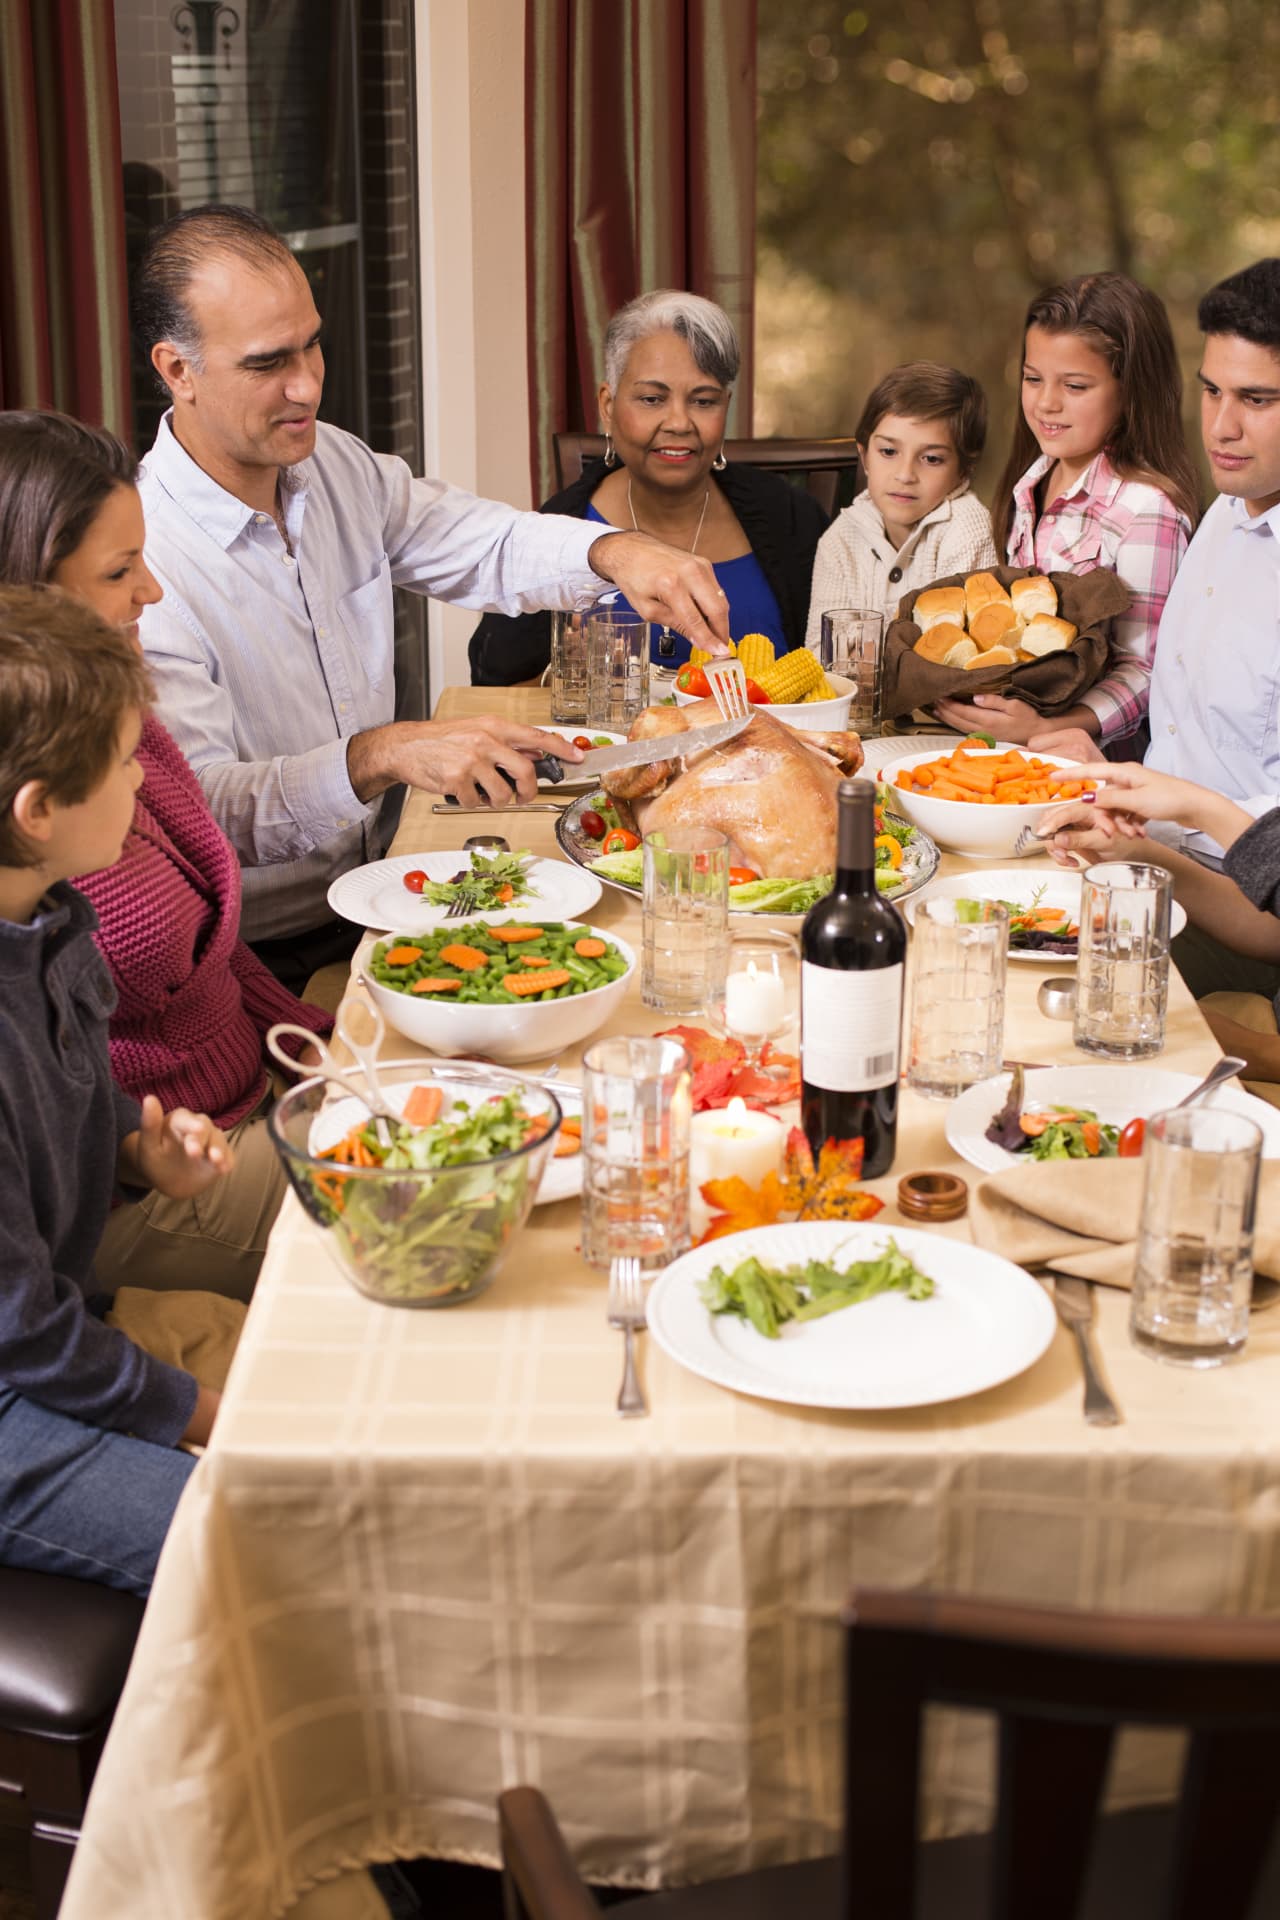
772	790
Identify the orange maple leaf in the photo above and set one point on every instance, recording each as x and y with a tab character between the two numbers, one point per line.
740	1206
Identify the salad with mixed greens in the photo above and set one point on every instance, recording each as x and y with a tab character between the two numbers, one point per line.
1033	928
434	1237
492	880
1051	1133
768	1297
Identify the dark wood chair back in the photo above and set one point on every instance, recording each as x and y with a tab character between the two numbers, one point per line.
1060	1684
829	470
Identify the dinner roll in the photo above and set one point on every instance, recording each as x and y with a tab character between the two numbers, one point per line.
1045	635
980	590
995	623
993	657
936	604
942	642
1035	595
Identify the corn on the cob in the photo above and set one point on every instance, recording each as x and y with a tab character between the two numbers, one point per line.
793	678
756	652
825	692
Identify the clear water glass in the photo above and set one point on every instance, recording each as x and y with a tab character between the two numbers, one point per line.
685	919
958	970
637	1103
617	669
1194	1271
852	644
568	666
1122	973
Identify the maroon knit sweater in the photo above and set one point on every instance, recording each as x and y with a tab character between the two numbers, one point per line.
195	1003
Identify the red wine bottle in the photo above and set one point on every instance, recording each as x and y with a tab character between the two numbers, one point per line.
853	949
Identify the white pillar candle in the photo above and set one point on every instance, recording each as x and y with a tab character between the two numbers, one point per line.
731	1140
755	1003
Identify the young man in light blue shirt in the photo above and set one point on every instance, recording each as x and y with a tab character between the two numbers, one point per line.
278	541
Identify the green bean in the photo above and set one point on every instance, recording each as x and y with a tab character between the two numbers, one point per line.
485	985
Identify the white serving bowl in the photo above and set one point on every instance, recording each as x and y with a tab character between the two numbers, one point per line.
823	716
962	826
528	1031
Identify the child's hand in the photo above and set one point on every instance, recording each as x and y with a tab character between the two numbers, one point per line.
179	1153
1011	720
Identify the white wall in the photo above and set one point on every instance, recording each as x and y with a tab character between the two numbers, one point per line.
471	193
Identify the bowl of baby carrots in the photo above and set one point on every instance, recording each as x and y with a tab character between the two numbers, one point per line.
507	990
975	799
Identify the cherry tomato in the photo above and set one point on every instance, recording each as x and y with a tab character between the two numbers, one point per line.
1129	1146
593	825
693	680
742	876
620	841
416	880
582	740
757	695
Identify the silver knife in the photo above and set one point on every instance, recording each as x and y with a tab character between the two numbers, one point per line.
1073	1298
642	753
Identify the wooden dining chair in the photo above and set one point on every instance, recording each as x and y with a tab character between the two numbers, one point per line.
1060	1685
829	470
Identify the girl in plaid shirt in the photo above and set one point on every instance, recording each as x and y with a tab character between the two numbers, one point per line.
1098	476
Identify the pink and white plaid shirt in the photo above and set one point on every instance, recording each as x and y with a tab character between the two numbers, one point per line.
1129	526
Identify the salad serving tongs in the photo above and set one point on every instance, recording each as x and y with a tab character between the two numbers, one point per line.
352	1015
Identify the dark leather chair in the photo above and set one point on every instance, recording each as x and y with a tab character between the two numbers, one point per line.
1060	1685
830	470
65	1647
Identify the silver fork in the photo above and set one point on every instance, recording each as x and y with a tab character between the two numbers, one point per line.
461	905
626	1311
1073	1298
1028	838
727	680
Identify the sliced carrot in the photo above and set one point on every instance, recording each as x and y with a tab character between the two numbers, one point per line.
467	959
572	1123
566	1144
589	949
526	983
403	956
534	960
513	934
436	986
1091	1134
422	1108
505	894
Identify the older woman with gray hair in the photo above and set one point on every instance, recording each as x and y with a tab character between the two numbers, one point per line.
670	362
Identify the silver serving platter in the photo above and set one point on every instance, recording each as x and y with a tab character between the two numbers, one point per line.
919	860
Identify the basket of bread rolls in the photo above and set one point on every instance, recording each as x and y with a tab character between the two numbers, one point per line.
1043	638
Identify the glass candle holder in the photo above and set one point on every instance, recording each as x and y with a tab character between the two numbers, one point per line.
760	1005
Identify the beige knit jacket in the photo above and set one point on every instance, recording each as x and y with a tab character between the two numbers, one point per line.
856	566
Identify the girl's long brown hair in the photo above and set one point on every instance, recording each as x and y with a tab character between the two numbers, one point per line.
55	473
1127	324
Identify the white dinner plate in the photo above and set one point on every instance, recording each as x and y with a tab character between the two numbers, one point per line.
1049	889
376	896
986	1322
560	1180
1116	1094
573	777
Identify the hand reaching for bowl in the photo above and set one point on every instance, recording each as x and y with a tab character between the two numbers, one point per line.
1126	798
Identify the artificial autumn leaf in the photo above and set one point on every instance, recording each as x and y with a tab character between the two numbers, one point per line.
721	1073
830	1190
705	1048
740	1206
713	1084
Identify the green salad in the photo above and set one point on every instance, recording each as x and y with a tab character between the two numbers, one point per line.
493	880
768	1297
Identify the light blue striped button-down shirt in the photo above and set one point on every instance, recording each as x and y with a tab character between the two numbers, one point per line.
267	663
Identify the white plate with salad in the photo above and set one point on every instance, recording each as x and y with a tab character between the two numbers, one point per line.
1073	1102
562	1176
412	892
864	1317
587	738
1044	909
587	831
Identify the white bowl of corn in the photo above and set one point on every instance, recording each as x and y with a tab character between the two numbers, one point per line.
800	693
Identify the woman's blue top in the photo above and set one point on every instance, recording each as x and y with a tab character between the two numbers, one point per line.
752	607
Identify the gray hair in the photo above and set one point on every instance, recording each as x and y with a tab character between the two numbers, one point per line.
705	328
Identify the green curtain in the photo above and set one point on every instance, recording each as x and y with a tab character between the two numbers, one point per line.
64	334
640	173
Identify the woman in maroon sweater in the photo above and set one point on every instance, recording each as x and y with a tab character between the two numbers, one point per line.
194	1002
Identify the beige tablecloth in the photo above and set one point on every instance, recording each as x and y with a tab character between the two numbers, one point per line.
423	1560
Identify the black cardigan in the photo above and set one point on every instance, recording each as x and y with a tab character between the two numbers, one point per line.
782	522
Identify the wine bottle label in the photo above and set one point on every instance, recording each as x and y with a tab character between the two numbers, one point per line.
851	1026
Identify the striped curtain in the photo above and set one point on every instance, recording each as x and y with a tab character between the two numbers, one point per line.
640	150
64	337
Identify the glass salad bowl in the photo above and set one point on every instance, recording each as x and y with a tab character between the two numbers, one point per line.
424	1218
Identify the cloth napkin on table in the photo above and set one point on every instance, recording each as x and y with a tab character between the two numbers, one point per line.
1082	1216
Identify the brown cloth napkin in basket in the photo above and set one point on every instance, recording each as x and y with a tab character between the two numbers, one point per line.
1052	684
192	1330
1082	1216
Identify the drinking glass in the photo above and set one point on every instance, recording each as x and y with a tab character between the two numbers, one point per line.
958	968
761	1003
685	920
617	668
1194	1270
568	666
851	644
1122	972
636	1107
